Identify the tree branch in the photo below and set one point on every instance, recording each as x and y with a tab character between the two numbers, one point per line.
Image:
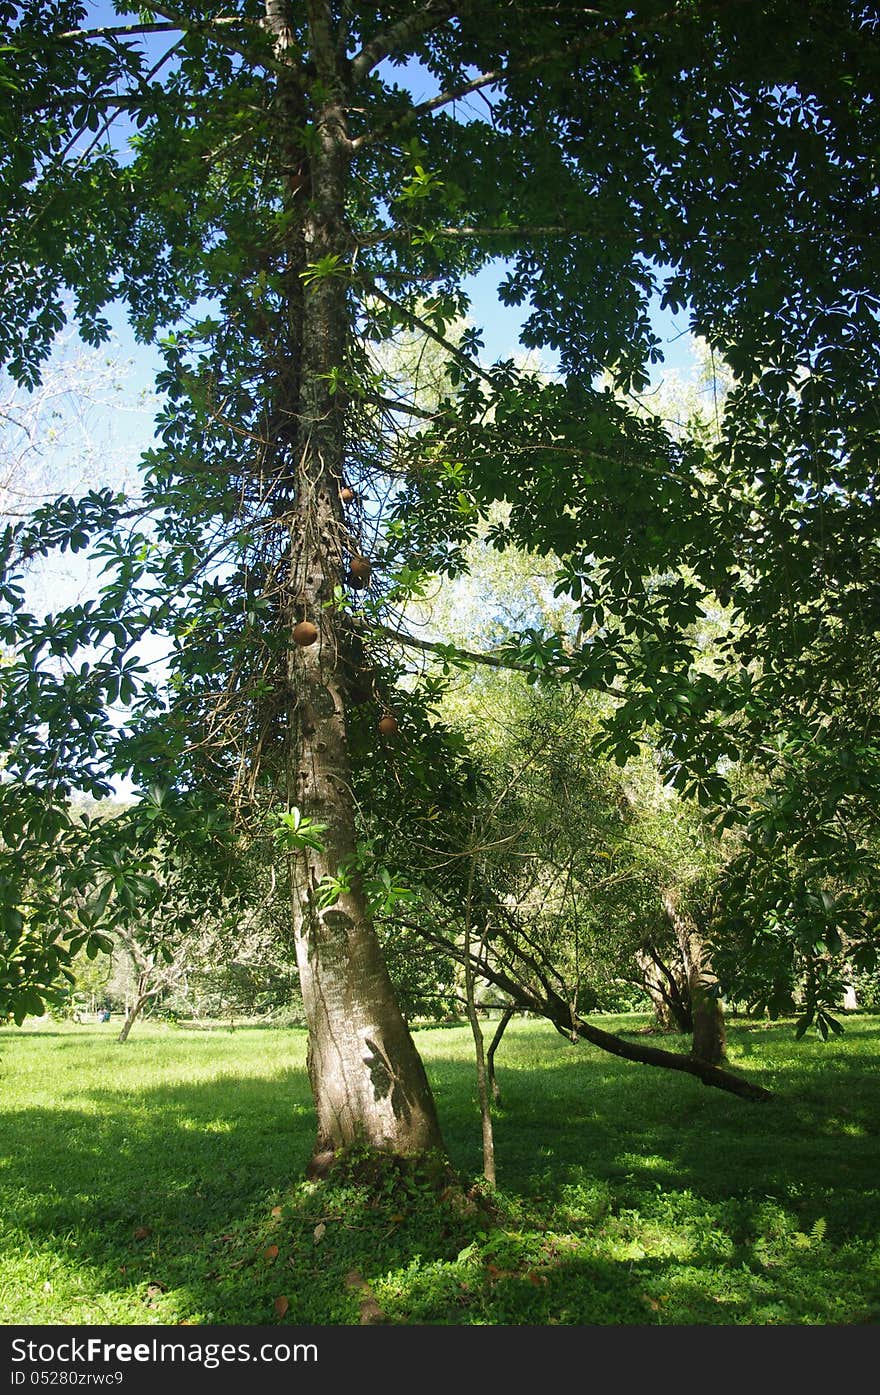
398	35
173	21
520	230
118	31
470	656
323	45
451	349
390	405
265	57
654	1056
566	1023
525	65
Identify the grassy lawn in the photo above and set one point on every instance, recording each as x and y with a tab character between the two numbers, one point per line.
159	1182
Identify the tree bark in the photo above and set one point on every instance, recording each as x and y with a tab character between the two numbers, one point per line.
494	1044
709	1040
672	1009
132	1016
368	1081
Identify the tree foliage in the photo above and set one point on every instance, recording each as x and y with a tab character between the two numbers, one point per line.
285	208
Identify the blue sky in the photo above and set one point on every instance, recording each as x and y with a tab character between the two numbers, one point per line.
501	324
125	434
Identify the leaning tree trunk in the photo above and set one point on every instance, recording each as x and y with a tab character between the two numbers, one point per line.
368	1081
142	996
494	1044
134	1011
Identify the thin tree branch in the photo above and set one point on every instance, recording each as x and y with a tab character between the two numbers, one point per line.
264	57
496	75
448	231
438	338
506	1016
115	31
470	656
390	405
398	35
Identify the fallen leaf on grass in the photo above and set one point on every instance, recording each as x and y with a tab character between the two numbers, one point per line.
270	1252
320	1230
281	1305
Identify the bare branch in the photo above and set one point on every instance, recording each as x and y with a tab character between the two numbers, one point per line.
126	31
520	230
390	405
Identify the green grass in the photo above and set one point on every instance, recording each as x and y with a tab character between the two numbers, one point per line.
625	1194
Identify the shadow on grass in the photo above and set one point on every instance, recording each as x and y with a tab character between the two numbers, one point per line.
627	1195
648	1133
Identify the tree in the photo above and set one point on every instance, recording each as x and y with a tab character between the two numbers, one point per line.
642	921
576	879
52	441
284	205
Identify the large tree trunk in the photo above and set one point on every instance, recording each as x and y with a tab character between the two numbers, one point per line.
709	1041
368	1080
672	1007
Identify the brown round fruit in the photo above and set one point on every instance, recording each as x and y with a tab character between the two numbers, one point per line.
359	572
347	495
388	725
304	633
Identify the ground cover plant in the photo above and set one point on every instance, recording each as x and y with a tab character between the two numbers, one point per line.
153	1185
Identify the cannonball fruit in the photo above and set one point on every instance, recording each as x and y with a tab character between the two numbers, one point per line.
359	572
347	495
388	725
304	633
